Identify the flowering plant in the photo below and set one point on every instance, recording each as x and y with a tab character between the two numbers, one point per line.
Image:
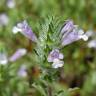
47	53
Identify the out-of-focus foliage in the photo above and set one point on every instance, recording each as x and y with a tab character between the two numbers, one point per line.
78	75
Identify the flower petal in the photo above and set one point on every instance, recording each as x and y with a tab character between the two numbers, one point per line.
57	63
16	30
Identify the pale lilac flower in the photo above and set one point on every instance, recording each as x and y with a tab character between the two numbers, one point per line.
18	54
68	26
24	28
92	44
54	54
3	19
3	59
57	63
72	35
22	71
10	3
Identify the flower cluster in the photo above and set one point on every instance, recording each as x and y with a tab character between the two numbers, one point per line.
71	33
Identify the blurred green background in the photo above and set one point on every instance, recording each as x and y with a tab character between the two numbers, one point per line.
77	77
